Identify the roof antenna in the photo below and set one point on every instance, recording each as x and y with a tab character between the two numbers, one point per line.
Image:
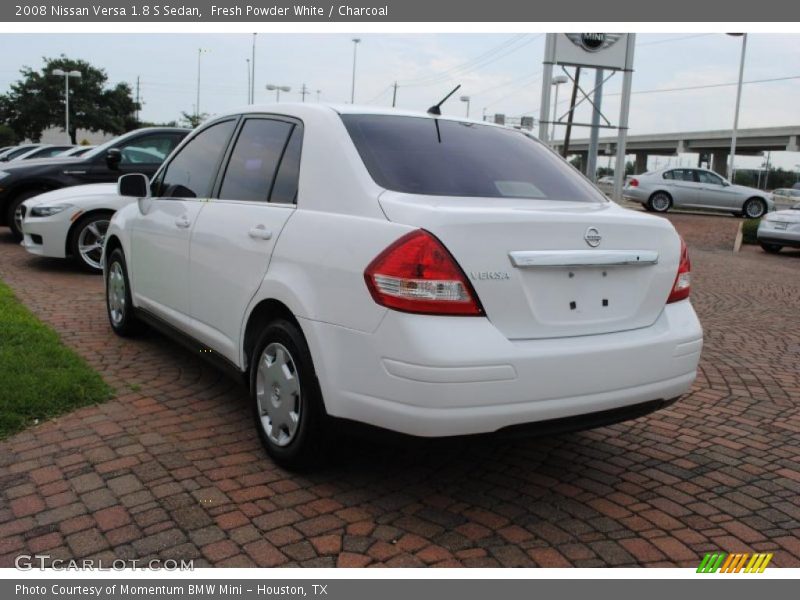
435	109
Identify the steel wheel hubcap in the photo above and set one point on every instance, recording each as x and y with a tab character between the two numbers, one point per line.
278	394
116	293
90	242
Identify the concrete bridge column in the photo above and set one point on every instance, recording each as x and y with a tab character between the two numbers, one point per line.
641	163
719	162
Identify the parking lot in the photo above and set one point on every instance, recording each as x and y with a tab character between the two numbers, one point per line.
172	467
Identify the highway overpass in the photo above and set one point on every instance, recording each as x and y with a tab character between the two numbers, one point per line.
715	143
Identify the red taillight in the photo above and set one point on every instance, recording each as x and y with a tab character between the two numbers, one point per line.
683	280
633	183
417	274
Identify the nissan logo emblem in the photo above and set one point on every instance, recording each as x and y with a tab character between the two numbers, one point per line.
592	237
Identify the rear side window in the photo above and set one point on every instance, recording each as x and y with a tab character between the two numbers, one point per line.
437	157
680	175
284	190
254	160
191	172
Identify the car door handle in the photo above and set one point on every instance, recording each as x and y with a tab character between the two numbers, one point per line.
182	222
259	232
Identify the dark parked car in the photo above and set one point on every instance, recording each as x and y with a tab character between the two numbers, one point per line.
140	151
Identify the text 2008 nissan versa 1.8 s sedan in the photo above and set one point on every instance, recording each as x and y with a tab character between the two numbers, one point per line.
423	274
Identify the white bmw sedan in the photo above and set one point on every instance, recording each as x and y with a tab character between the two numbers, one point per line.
779	229
423	274
71	222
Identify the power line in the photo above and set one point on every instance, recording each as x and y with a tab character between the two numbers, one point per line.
474	64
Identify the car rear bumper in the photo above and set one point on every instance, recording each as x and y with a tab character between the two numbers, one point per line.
634	195
443	376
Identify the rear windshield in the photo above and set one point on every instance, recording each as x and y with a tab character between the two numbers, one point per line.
417	155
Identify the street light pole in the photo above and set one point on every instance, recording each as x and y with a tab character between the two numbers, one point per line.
200	52
732	163
356	42
66	75
278	89
249	85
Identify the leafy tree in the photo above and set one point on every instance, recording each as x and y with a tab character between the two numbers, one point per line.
192	120
36	101
7	136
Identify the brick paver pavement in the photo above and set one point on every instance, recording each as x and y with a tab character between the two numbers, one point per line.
172	467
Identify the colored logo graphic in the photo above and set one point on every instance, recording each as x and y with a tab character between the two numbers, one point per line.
734	563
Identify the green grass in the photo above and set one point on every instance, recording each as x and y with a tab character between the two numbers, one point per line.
40	378
749	229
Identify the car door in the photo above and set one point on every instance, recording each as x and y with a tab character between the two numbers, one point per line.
236	232
159	265
714	193
684	188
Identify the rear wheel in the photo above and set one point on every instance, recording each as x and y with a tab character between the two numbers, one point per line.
660	202
121	313
771	248
287	401
754	208
14	212
87	239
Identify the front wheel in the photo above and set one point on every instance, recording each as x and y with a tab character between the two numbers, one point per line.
754	208
659	202
119	305
286	398
87	238
770	248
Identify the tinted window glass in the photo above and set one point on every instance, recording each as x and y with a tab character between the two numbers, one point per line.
192	171
417	155
255	159
682	175
706	177
669	175
152	149
285	188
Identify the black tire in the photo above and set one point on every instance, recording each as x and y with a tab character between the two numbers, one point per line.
74	239
11	212
770	248
659	202
126	323
746	209
308	445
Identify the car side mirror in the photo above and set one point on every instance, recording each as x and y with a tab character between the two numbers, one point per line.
134	185
113	158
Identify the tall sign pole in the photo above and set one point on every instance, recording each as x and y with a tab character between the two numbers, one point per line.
624	111
547	77
594	137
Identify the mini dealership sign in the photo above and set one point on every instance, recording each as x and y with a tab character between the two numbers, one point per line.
599	50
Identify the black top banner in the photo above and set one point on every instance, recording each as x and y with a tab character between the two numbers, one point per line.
401	11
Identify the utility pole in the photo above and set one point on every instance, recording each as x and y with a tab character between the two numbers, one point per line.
137	99
249	84
394	95
304	92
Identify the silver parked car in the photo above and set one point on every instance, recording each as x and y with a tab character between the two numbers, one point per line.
779	229
683	187
785	197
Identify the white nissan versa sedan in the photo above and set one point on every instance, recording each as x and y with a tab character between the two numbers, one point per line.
423	274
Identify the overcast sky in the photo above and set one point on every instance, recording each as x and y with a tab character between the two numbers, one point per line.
501	73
